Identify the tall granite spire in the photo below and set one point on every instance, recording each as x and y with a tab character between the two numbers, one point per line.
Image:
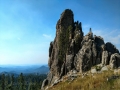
72	50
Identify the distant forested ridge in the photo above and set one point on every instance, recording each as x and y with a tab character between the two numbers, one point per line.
21	82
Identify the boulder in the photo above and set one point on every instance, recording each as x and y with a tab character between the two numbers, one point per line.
93	70
105	68
115	60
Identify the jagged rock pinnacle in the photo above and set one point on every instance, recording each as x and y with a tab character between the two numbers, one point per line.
72	50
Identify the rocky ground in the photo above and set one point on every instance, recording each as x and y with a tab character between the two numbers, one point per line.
98	69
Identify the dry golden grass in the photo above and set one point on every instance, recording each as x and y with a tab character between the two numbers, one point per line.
96	82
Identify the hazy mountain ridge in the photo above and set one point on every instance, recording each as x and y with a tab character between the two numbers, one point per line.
24	69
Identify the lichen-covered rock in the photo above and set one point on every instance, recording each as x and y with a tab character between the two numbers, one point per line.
105	68
84	56
105	60
94	54
69	62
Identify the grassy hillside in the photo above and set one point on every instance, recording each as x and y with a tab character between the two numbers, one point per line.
91	82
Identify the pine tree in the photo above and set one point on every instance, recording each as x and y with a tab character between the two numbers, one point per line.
3	82
21	82
7	81
12	83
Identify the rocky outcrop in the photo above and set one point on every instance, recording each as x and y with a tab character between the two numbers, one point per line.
111	48
105	58
66	44
71	50
84	56
115	60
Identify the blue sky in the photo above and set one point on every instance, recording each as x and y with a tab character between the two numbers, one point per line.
28	26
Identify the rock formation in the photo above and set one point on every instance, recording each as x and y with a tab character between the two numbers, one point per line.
71	50
115	60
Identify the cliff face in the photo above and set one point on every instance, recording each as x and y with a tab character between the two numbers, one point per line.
66	45
72	50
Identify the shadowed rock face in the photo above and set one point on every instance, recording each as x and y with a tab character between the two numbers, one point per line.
115	60
59	48
72	50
